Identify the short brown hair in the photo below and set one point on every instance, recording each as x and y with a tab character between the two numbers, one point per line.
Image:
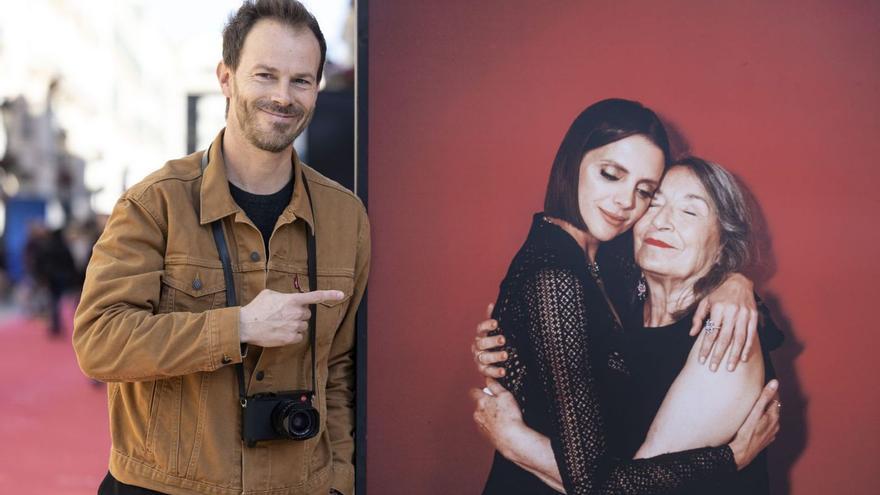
289	12
601	123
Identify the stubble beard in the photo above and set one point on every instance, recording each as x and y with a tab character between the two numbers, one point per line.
281	135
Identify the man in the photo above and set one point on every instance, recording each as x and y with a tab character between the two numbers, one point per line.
153	320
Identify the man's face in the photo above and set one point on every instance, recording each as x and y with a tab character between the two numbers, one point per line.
272	93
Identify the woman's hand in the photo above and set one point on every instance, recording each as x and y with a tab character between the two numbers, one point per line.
500	420
481	349
760	427
733	321
498	416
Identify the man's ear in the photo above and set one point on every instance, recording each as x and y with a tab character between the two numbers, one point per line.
224	77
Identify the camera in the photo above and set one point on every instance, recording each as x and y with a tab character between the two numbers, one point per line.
285	415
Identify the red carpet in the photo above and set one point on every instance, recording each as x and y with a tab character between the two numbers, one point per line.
54	438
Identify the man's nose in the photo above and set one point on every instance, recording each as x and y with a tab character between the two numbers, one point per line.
281	94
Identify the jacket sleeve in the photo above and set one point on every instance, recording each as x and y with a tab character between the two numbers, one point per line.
341	375
117	334
559	334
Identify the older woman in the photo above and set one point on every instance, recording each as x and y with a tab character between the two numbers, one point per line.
693	235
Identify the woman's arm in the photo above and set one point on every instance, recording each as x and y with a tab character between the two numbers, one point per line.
499	418
703	408
561	343
732	305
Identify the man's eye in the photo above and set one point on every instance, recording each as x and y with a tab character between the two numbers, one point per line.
264	75
646	194
609	176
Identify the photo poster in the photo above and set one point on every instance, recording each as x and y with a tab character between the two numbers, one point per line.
468	103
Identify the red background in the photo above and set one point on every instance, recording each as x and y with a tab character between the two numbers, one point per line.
468	102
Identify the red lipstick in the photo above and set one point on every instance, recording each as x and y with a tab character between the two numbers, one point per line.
657	242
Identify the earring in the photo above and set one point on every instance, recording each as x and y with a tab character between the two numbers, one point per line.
642	289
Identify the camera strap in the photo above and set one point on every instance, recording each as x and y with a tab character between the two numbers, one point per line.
231	300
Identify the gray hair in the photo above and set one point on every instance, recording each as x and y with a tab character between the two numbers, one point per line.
734	223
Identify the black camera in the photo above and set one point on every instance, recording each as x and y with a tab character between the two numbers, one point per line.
287	415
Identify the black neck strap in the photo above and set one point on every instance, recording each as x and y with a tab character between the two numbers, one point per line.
232	300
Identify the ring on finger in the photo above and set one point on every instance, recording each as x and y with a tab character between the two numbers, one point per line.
710	326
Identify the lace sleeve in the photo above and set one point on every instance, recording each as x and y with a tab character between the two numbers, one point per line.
560	338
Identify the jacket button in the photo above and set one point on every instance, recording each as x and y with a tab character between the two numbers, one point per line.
226	359
260	376
255	256
197	284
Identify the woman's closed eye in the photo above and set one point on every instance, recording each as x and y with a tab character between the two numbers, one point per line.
645	193
609	176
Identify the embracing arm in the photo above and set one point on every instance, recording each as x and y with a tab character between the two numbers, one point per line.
732	306
704	408
117	334
561	341
500	419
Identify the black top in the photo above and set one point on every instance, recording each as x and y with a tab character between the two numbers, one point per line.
656	356
263	209
558	329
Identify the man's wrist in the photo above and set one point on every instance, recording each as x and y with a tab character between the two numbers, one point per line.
243	337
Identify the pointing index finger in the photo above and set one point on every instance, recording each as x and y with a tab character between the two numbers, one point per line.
318	296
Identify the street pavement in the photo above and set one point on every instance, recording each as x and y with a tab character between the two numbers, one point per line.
54	437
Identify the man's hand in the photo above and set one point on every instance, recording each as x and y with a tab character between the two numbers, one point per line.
274	319
733	322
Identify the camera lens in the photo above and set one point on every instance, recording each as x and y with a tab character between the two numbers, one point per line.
300	423
295	420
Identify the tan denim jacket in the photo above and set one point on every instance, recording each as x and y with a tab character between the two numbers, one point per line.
153	323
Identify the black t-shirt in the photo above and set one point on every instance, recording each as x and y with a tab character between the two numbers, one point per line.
263	209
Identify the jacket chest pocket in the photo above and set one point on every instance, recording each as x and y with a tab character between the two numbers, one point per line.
330	313
192	289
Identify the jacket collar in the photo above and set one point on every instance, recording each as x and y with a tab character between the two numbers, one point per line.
216	201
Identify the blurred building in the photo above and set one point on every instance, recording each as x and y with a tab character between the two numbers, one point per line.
98	93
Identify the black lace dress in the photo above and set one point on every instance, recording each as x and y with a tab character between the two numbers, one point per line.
564	371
